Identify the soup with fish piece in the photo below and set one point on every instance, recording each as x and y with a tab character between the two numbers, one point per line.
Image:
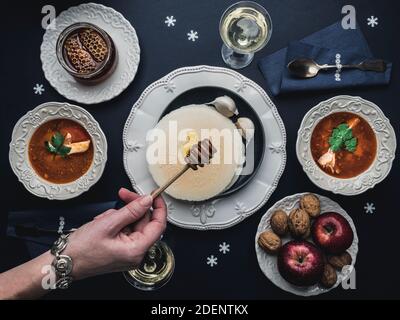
61	151
343	145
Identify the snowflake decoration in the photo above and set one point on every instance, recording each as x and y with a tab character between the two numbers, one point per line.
38	89
192	35
240	207
170	21
134	145
224	248
372	21
275	148
240	86
369	208
170	87
212	261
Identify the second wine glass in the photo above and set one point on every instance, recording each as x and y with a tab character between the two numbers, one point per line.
245	28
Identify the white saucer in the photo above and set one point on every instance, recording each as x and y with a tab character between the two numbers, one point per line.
224	212
126	43
386	144
19	158
268	263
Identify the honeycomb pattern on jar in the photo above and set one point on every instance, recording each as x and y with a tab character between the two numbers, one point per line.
94	43
80	59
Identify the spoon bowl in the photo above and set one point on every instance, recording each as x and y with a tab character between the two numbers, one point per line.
304	68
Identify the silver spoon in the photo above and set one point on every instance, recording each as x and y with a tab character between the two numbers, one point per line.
308	68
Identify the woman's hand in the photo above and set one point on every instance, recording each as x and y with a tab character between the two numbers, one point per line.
117	240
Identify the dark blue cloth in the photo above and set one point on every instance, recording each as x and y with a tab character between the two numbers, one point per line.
322	46
49	219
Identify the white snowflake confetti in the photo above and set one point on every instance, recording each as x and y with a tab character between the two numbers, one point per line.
212	261
224	247
369	208
170	21
372	21
38	89
192	35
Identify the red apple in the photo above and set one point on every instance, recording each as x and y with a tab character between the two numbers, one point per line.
301	263
332	233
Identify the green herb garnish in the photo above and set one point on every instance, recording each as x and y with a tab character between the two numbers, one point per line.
56	145
342	138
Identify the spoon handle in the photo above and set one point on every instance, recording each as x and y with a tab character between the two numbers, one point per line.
327	66
373	65
377	65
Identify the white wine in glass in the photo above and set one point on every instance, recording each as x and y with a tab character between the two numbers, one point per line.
245	28
155	270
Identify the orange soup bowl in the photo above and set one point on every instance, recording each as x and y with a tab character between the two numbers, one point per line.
58	151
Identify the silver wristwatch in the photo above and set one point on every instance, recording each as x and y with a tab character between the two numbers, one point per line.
62	263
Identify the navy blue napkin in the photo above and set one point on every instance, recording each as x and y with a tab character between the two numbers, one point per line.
323	46
50	220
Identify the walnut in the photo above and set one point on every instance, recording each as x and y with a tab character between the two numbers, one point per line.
269	241
307	234
279	222
329	276
338	262
299	223
310	203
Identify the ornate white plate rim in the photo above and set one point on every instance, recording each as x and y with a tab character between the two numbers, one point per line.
386	141
209	208
19	159
70	89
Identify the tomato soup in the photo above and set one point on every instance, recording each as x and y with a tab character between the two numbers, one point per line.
57	167
347	164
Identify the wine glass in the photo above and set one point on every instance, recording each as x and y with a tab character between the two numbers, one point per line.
157	266
155	270
245	27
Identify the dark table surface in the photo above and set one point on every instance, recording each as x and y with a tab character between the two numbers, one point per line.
237	275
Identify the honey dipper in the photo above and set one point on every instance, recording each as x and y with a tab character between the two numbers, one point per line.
199	155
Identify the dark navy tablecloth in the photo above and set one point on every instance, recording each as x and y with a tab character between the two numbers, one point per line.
163	49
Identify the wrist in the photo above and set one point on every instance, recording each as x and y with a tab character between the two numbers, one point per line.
73	251
62	263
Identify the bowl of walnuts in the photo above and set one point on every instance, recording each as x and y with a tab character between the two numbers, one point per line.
306	244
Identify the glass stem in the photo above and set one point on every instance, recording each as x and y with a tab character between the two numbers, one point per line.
237	55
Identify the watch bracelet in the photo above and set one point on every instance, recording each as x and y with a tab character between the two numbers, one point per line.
62	264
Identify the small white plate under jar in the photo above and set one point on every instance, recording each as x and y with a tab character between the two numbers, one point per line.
124	38
385	137
223	212
268	263
19	147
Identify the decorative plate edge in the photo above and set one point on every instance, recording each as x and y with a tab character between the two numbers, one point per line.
194	69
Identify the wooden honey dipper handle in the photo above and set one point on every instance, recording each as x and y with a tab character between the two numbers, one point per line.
203	150
156	192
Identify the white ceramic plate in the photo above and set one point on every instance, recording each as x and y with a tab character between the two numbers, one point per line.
220	213
125	41
19	158
268	263
386	145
